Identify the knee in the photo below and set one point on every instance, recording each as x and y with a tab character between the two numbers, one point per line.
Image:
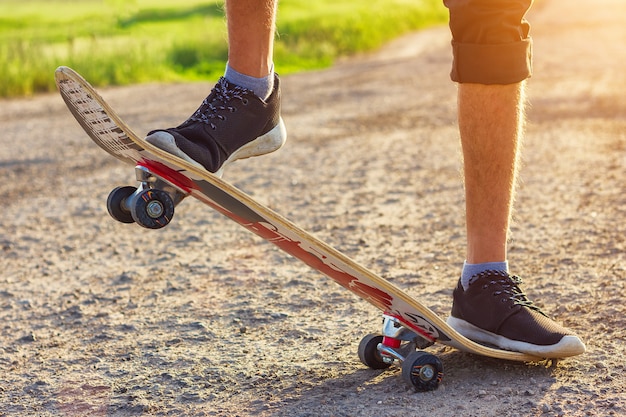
491	41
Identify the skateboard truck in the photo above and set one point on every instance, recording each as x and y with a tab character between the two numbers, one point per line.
150	205
398	343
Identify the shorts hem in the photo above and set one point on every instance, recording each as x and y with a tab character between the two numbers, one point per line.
506	63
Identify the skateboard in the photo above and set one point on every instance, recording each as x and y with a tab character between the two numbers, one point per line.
165	180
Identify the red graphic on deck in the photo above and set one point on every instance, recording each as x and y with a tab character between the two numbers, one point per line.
168	174
316	261
311	257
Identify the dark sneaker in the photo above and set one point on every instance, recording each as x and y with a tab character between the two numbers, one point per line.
495	311
231	123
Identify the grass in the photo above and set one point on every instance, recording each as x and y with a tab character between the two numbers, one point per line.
124	42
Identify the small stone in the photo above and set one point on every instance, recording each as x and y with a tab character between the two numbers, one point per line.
174	342
29	338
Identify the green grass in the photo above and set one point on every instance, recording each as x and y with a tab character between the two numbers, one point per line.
124	42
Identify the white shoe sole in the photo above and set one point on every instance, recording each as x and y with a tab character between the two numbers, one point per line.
569	345
267	143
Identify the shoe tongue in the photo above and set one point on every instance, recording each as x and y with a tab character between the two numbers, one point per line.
492	275
510	285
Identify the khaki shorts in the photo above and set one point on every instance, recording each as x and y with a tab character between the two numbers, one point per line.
490	41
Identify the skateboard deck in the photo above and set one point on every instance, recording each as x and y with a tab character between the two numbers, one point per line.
407	321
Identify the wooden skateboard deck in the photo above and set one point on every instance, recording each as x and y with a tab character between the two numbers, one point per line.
107	130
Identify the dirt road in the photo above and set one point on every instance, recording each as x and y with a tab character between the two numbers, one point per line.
204	319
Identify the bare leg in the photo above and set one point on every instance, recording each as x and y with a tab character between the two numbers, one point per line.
491	123
215	135
251	26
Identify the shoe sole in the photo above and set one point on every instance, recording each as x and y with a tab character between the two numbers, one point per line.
267	143
264	144
569	345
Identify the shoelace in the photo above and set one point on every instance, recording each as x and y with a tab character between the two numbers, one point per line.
212	106
510	286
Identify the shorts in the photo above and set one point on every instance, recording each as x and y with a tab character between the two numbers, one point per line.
490	41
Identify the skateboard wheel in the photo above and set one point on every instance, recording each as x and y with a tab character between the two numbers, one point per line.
369	354
152	208
117	206
422	370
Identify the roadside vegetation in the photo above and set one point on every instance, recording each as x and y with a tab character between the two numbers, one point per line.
114	42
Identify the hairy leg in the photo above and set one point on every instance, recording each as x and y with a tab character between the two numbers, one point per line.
491	124
251	27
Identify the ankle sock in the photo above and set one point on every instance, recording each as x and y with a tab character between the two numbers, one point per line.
262	87
469	270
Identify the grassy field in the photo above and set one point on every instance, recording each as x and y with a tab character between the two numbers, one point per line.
123	42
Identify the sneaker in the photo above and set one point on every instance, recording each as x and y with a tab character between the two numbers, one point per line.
495	311
231	123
